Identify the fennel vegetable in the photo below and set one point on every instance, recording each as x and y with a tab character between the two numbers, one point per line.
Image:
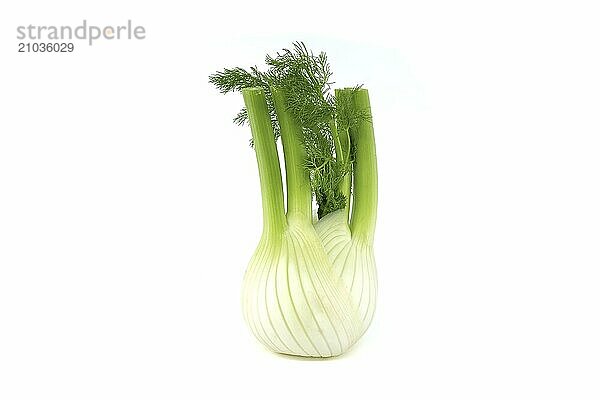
310	288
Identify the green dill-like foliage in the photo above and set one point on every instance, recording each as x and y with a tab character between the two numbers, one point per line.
305	79
326	120
236	79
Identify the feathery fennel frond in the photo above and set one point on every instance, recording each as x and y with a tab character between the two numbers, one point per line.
305	80
236	79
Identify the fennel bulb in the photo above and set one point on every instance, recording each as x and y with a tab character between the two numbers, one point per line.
293	302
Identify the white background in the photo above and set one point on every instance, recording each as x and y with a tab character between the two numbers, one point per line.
129	202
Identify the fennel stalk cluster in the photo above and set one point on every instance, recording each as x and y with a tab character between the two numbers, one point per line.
310	287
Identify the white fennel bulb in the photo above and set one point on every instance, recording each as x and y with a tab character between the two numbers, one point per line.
293	302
